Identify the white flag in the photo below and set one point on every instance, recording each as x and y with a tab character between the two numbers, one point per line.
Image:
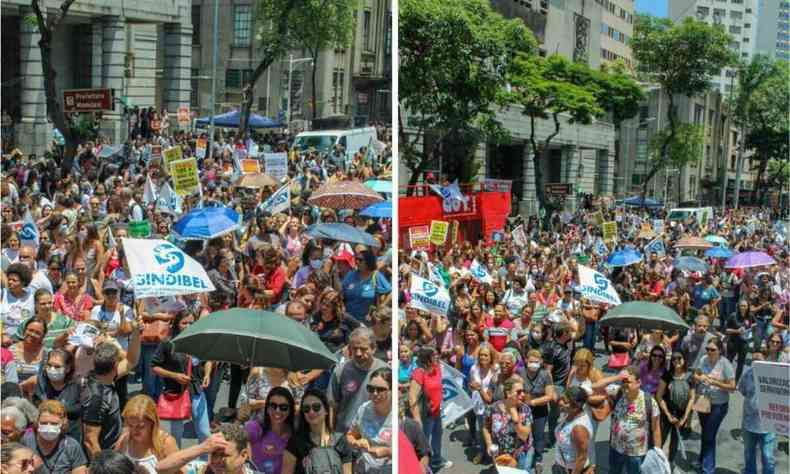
149	193
455	401
168	200
28	234
159	268
279	201
479	273
596	286
519	237
111	244
428	296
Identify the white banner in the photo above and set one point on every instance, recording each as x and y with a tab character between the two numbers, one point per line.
772	383
428	296
519	237
279	201
479	273
159	268
276	165
597	287
28	234
455	401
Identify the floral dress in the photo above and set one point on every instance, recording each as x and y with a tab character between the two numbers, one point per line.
630	425
503	432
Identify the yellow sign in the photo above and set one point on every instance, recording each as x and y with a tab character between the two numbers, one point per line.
172	154
597	217
185	176
454	227
609	231
439	232
250	166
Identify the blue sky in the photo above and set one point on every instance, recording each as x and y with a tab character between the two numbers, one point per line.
654	7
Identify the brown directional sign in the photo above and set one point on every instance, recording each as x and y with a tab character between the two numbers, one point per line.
558	189
88	100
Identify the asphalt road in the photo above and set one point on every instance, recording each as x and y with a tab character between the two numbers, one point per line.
729	449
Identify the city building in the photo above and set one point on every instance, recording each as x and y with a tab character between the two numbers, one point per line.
738	17
582	156
773	28
700	181
140	49
352	83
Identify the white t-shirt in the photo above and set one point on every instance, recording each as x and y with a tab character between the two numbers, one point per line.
14	310
40	280
113	320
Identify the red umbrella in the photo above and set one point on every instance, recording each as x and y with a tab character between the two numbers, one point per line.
344	195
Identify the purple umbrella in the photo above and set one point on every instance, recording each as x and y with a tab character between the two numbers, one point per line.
749	260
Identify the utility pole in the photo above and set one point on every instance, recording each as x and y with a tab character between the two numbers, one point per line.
291	62
214	59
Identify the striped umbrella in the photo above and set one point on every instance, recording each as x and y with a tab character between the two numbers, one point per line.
693	243
344	195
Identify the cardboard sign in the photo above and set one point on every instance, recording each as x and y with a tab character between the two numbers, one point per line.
185	176
772	384
139	229
646	228
183	115
250	166
439	232
156	152
658	226
201	145
609	230
420	237
171	155
276	165
454	227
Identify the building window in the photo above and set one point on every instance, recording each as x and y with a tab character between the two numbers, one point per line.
236	78
366	30
242	16
263	105
338	88
388	37
737	2
746	40
736	30
746	26
702	12
195	85
195	24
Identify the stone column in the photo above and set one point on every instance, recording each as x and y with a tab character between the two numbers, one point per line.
34	131
529	201
97	54
113	125
571	157
178	72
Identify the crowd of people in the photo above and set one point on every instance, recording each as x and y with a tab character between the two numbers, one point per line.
86	364
543	373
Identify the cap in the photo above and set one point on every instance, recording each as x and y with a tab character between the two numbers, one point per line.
345	256
110	285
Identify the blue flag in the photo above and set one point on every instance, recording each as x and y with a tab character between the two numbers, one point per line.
279	201
28	234
600	248
656	247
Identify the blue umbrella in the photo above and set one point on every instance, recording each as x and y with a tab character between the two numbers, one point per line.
718	252
380	186
379	209
232	119
691	264
341	232
207	223
623	258
717	240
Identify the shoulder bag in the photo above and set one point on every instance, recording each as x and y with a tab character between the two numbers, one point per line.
176	406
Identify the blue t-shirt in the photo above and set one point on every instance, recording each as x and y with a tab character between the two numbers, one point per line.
703	296
359	295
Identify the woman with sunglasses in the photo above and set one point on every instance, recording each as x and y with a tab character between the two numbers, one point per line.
652	370
507	429
675	396
270	431
775	349
371	429
716	378
739	331
15	458
315	444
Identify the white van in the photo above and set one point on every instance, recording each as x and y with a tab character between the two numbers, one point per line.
325	140
701	214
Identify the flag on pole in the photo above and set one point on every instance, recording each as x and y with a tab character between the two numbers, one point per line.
479	273
656	247
28	234
149	193
600	248
168	200
279	201
455	401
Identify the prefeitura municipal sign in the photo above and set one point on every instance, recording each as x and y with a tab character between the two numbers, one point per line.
88	100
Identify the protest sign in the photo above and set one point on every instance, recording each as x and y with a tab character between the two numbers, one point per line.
171	155
772	383
279	201
428	296
250	166
658	226
519	236
479	273
276	165
139	229
439	232
597	218
596	286
420	237
183	115
159	268
609	230
454	227
28	233
657	247
455	401
201	145
185	176
156	152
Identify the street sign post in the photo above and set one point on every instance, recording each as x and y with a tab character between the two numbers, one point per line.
88	100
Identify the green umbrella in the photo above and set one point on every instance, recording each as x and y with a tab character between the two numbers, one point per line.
645	315
255	338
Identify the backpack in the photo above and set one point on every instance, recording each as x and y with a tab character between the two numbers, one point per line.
324	460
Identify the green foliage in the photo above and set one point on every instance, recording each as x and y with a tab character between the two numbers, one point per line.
453	58
619	92
684	147
683	57
766	113
319	24
778	173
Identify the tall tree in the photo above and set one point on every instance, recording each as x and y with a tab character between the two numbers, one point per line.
681	58
453	58
549	88
324	23
48	25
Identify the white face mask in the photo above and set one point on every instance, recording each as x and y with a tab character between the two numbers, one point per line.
56	375
533	366
49	432
537	335
316	264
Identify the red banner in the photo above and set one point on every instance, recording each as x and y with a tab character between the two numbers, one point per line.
87	100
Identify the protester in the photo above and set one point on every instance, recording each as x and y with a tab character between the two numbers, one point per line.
58	451
56	381
370	432
574	433
676	395
425	402
508	429
146	443
16	458
755	438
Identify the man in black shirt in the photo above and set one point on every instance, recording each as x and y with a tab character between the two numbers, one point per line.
101	415
557	360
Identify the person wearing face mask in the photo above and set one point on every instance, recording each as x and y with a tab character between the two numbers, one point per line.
58	451
56	382
312	260
557	360
539	393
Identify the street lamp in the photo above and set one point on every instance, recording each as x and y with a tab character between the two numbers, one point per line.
291	62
